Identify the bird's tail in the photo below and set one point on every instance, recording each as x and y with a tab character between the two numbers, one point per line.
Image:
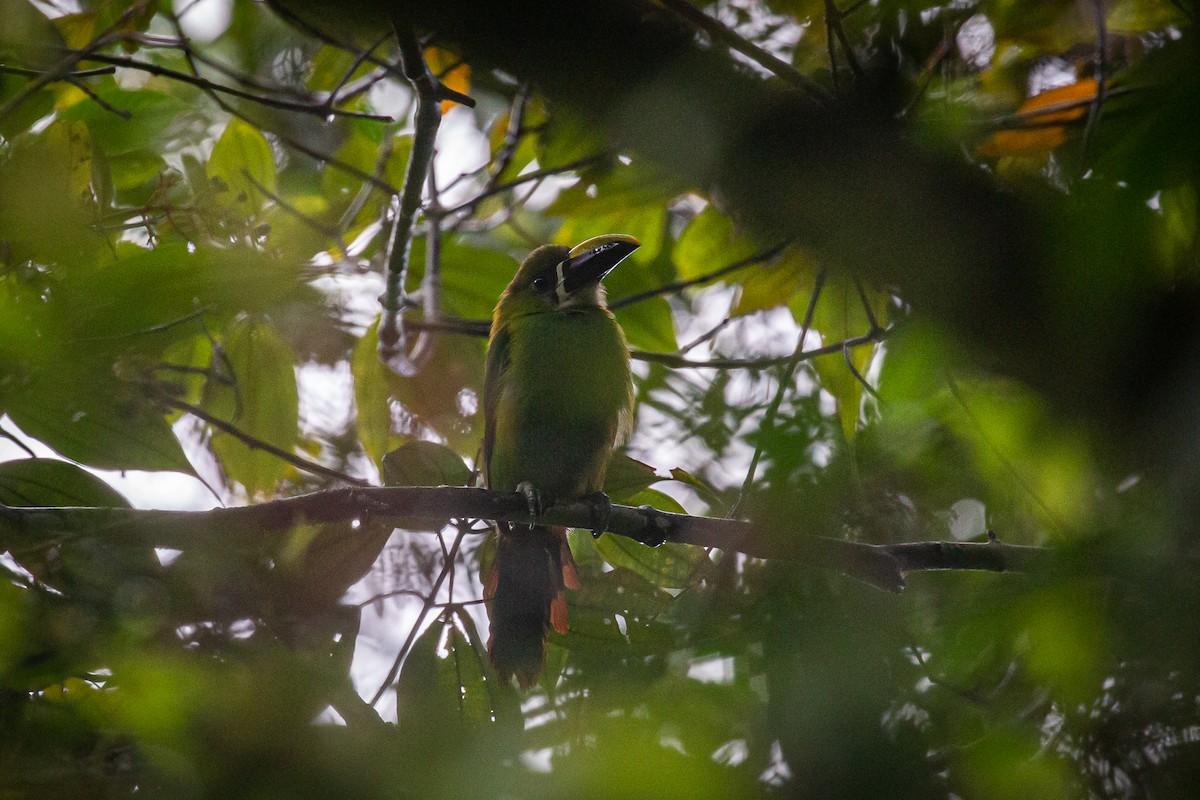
525	590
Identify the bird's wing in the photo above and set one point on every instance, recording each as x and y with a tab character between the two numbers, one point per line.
493	381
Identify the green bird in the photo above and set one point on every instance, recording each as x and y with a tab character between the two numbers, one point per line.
557	396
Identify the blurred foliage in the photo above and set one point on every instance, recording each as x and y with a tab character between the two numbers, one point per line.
189	251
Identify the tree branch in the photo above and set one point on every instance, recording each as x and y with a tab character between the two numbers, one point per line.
479	328
883	566
316	109
427	119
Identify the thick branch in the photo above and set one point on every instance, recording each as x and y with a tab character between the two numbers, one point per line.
880	565
392	344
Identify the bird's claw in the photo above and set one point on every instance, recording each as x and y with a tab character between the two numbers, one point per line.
600	507
657	527
533	499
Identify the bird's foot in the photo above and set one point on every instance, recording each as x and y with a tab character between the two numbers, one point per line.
534	500
658	525
600	508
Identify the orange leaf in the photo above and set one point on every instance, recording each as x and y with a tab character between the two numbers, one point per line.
450	70
1046	121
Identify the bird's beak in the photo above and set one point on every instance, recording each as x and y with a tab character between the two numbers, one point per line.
589	262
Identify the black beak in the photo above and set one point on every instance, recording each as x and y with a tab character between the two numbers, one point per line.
589	262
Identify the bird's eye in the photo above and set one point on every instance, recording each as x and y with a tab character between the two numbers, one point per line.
541	283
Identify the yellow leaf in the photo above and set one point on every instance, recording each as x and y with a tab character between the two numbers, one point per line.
241	166
77	29
787	281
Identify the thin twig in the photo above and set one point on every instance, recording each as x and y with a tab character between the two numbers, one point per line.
318	110
358	62
290	141
445	92
785	382
12	437
762	257
720	33
1000	456
431	281
364	192
67	63
870	312
520	180
921	84
98	100
512	135
37	73
448	565
332	234
479	328
1034	117
833	25
704	337
1097	106
255	443
858	375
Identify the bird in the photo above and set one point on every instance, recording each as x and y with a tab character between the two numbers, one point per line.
557	398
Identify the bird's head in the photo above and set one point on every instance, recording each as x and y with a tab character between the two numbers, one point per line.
555	277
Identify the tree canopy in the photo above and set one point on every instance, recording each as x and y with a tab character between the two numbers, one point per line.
916	335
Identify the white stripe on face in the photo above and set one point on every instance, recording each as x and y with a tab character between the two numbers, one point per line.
559	288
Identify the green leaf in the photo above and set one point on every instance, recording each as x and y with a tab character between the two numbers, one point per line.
567	138
319	563
648	325
439	397
264	403
48	482
327	68
28	36
472	277
841	314
709	243
362	149
616	190
151	114
671	565
593	611
45	199
372	396
626	477
442	696
240	163
146	293
421	463
707	493
1140	16
135	168
91	418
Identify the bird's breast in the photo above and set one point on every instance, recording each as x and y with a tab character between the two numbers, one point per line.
567	392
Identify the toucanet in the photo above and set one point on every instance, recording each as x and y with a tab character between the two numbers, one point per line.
557	396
